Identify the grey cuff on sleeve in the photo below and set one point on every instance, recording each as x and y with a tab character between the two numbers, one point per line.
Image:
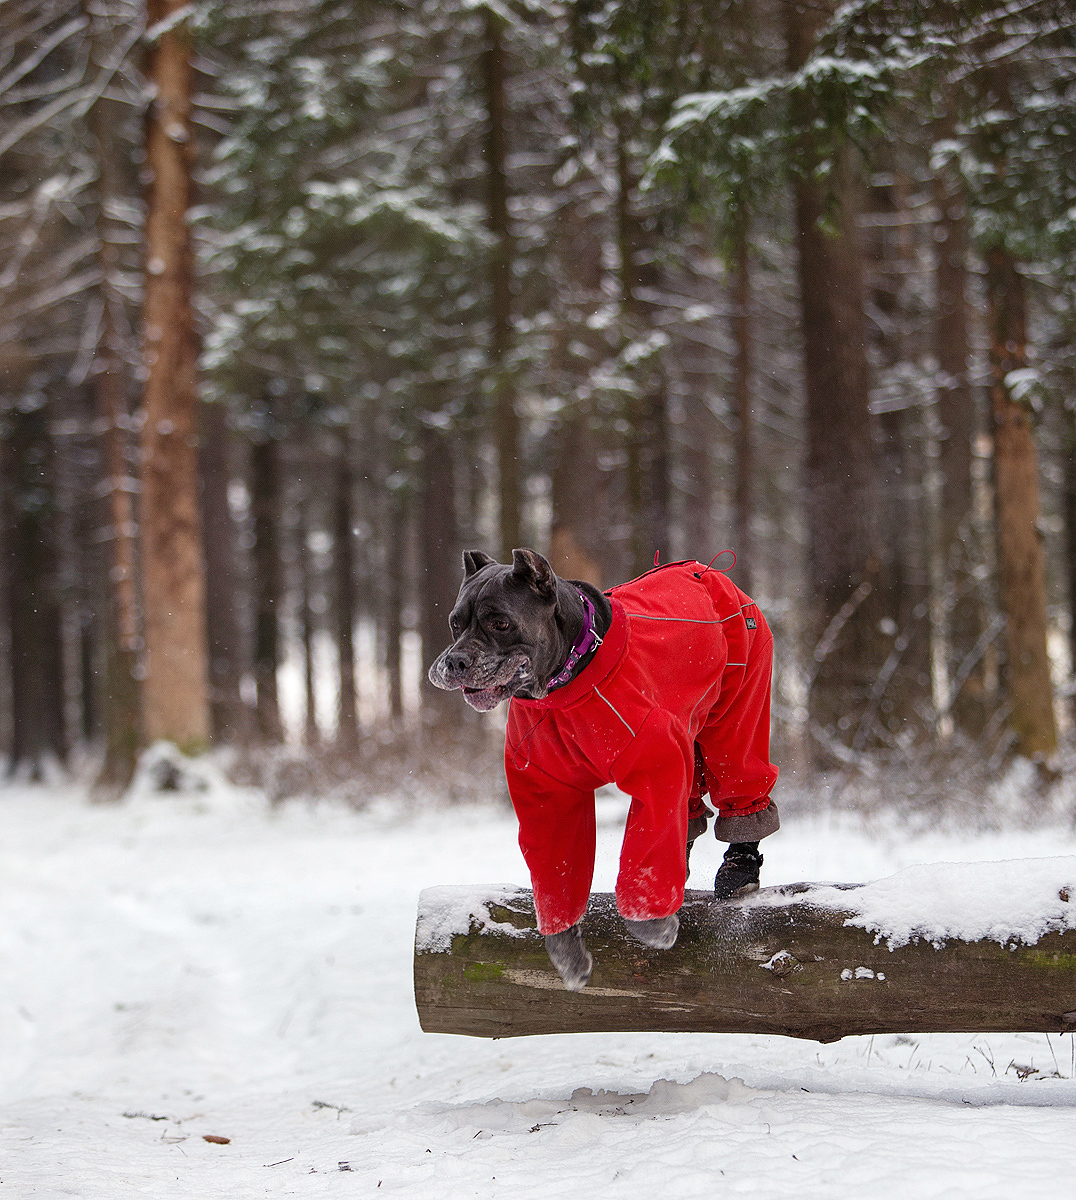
748	827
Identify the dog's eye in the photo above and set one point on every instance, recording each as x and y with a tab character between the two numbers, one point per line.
499	624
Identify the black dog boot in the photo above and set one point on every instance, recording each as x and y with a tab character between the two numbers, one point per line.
660	933
571	958
738	873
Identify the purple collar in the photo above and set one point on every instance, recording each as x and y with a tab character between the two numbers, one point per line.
586	641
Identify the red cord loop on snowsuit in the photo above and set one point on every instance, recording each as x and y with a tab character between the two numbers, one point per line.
710	565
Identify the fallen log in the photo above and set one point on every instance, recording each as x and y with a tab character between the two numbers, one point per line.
969	948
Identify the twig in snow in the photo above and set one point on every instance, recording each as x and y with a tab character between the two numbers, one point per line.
1057	1069
989	1059
339	1108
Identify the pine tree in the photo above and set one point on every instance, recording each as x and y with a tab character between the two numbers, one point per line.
176	690
121	632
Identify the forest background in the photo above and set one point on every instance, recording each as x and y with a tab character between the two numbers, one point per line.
300	298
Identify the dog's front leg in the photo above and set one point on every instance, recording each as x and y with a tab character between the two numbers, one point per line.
570	956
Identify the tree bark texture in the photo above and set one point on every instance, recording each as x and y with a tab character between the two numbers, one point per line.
347	717
841	469
505	417
223	632
268	583
1021	563
784	966
121	693
176	688
956	410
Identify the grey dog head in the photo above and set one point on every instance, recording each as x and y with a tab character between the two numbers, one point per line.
508	639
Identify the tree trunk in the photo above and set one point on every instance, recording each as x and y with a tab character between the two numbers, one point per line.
505	417
841	474
121	691
223	632
307	620
394	600
33	608
440	566
89	716
579	544
1021	565
265	513
121	716
176	692
785	966
1070	533
741	390
647	437
956	410
575	486
902	515
696	454
344	599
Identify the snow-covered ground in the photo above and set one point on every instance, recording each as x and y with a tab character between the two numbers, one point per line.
186	965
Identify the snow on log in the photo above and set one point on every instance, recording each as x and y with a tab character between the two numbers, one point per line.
958	948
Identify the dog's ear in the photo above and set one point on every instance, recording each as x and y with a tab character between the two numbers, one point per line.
475	560
529	567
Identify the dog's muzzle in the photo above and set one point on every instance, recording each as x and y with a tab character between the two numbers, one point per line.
484	679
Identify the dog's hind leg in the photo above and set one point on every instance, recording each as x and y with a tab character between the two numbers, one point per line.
660	933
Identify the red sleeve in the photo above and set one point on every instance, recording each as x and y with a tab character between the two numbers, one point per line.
656	771
556	835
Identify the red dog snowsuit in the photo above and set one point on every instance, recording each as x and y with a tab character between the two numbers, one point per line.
687	659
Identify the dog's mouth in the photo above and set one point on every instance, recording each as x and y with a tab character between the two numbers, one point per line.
513	674
483	699
491	679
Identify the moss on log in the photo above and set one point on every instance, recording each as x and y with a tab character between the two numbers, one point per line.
776	963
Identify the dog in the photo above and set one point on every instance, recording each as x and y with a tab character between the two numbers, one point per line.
661	686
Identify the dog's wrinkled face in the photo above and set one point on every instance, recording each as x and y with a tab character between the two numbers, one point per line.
507	641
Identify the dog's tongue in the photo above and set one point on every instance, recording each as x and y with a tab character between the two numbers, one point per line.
483	699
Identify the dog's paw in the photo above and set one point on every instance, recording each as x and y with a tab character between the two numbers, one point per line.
660	933
571	957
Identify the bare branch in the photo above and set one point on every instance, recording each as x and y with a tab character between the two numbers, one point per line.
75	25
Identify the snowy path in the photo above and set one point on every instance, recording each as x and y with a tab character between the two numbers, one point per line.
208	967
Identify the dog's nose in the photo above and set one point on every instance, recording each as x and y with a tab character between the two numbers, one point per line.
455	662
